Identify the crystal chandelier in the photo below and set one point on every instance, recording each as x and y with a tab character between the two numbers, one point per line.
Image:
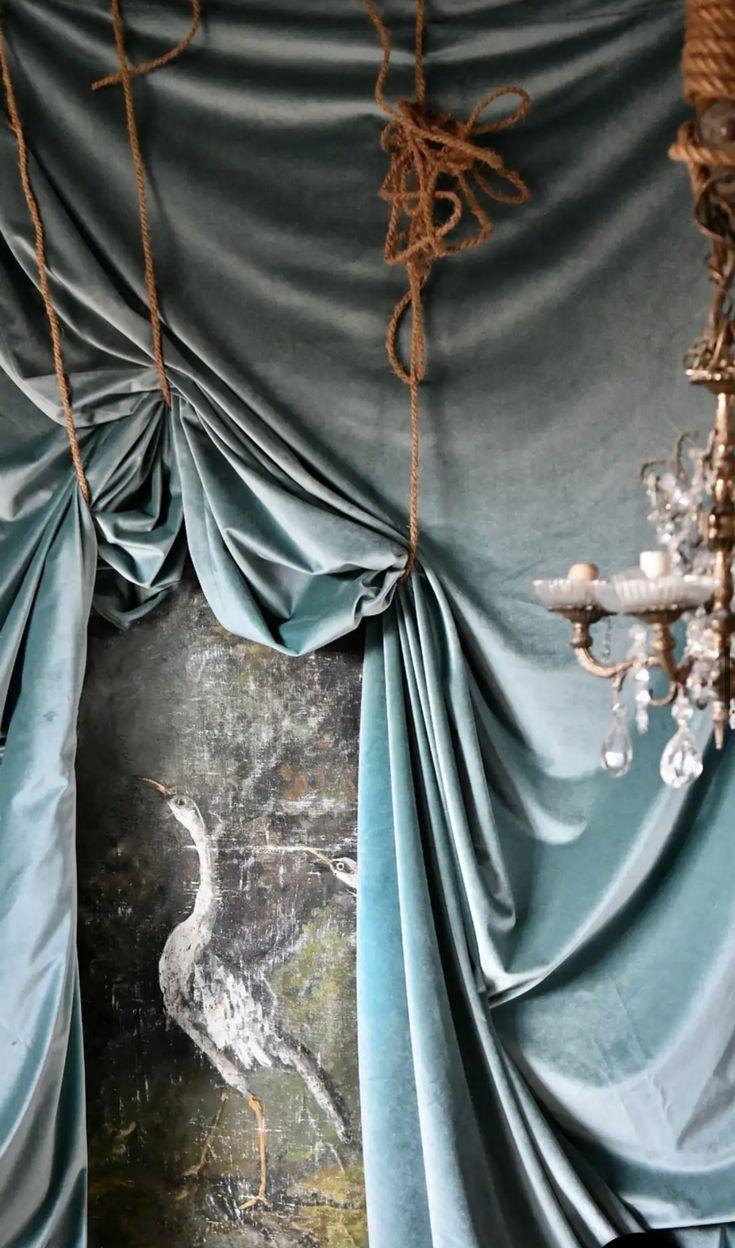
689	577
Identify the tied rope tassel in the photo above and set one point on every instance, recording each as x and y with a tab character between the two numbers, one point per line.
42	265
426	149
124	79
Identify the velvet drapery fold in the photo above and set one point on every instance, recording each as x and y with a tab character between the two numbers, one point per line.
545	959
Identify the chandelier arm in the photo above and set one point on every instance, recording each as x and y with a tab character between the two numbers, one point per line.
668	698
663	652
679	445
616	672
662	658
581	641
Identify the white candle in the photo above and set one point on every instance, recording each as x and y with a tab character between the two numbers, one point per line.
583	572
655	563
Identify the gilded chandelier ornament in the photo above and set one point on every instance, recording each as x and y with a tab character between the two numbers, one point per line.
692	498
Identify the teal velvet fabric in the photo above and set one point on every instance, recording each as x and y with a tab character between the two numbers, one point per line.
546	958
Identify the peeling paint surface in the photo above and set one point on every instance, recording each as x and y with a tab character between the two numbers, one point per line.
257	904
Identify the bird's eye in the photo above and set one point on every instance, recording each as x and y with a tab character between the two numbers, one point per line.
179	801
340	865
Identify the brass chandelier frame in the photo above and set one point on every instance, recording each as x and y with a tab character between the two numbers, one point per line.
718	530
692	576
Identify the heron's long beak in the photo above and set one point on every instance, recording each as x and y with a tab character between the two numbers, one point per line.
161	787
309	849
294	849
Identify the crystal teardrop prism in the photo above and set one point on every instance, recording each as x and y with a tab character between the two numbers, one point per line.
616	754
681	761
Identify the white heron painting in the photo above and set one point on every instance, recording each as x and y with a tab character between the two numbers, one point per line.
217	933
229	1012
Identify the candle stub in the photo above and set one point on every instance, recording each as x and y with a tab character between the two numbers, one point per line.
655	563
583	572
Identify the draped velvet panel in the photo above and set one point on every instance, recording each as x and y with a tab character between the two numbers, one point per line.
545	958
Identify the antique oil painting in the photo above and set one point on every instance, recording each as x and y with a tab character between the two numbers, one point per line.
217	860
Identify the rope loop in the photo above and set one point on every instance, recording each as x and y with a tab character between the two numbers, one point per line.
157	62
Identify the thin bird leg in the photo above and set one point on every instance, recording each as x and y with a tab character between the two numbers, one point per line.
201	1163
257	1108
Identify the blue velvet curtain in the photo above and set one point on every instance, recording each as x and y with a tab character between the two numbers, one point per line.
546	959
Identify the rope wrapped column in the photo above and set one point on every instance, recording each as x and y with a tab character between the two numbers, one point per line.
707	147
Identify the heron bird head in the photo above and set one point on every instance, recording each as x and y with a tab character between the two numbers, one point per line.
183	808
345	870
341	866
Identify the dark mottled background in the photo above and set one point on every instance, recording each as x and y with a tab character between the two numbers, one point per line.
268	746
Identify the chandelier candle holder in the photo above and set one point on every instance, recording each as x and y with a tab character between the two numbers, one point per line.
689	578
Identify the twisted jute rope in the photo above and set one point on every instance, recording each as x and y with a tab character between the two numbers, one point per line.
124	78
427	150
708	60
708	69
42	266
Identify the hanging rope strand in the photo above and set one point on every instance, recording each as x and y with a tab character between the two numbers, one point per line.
419	76
425	148
42	266
125	79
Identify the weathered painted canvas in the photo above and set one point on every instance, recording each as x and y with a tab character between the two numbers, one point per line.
217	926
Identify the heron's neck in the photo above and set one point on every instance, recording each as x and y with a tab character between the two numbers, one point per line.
207	898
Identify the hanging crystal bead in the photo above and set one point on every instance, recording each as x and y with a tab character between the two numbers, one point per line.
682	710
681	761
616	754
606	649
697	685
